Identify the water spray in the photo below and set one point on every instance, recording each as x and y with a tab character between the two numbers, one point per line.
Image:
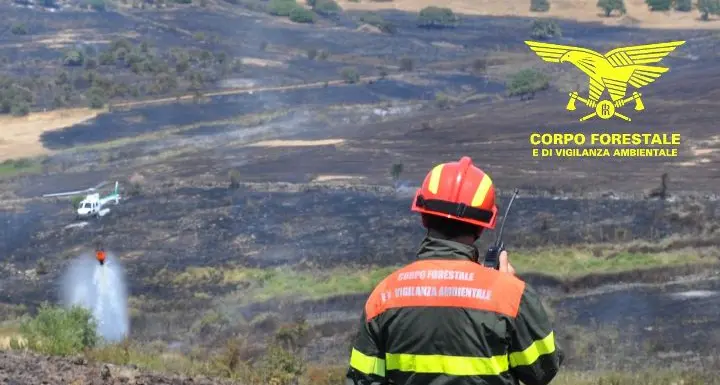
99	286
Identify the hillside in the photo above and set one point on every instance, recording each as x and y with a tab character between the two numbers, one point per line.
637	15
266	165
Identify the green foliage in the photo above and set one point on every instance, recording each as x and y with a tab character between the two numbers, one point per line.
377	21
683	5
437	17
539	5
74	58
326	7
545	29
526	83
302	15
659	5
10	167
282	7
97	98
15	97
59	331
707	8
75	201
350	75
608	6
19	29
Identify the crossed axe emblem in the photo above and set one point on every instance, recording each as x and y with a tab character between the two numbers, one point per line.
605	109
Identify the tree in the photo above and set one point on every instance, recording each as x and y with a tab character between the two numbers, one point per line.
539	5
325	7
436	17
683	5
708	7
526	83
302	15
545	29
659	5
608	6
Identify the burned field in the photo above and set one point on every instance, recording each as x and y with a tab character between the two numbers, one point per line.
230	227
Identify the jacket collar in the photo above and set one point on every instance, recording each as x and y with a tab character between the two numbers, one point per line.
437	248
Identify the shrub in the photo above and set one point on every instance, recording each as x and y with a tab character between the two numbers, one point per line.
326	7
350	75
608	6
659	5
545	29
377	21
302	15
539	5
436	17
59	331
282	7
707	8
526	83
19	29
683	5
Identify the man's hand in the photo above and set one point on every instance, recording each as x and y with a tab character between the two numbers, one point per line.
505	265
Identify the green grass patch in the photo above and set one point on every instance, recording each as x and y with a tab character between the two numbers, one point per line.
23	166
577	262
264	284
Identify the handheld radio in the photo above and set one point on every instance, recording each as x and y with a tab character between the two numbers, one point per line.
492	257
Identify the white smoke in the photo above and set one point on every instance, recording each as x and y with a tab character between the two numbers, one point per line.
101	289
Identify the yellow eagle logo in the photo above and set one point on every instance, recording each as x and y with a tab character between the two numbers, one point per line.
612	71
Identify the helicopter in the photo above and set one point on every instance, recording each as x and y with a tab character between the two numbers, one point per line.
93	205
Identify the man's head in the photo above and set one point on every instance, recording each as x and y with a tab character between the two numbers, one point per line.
457	201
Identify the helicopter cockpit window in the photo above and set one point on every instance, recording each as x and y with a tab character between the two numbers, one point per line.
86	206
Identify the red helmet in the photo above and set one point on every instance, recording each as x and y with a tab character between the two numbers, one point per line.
460	191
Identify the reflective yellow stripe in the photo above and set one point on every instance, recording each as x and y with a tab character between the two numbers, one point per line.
435	178
534	351
452	365
367	364
482	191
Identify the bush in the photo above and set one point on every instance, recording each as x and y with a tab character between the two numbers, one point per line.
377	21
436	17
707	8
282	7
59	331
683	5
74	58
526	83
350	75
19	29
659	5
608	6
326	7
545	29
539	5
302	15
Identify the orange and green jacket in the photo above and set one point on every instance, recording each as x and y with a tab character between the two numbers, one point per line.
445	319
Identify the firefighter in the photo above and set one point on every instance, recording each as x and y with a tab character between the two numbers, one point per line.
100	254
445	318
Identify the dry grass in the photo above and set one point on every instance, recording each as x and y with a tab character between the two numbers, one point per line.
20	136
638	13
